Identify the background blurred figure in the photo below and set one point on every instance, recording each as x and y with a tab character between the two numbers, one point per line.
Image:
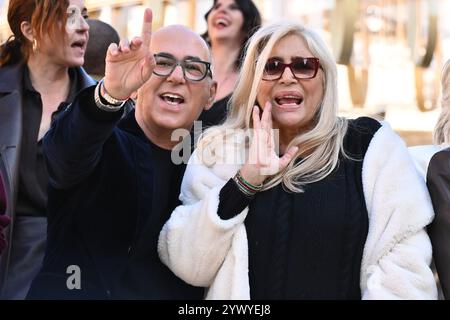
433	162
101	35
442	130
230	24
39	75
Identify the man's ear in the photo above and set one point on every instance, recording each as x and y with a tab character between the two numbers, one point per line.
212	95
27	31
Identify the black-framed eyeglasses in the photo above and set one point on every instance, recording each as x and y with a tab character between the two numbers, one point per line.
301	68
193	70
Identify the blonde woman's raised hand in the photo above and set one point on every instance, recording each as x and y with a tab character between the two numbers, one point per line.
130	64
263	160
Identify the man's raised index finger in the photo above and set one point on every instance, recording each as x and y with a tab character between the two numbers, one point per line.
147	27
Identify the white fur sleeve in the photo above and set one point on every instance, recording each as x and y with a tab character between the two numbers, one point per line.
194	241
397	252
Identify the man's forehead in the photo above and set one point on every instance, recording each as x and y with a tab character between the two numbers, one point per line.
180	42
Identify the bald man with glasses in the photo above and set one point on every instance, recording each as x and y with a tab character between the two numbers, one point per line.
113	182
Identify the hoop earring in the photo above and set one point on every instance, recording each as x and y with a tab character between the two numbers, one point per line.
34	45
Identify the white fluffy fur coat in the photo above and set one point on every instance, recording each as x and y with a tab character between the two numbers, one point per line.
204	250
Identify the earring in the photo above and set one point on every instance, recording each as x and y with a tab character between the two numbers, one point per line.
34	45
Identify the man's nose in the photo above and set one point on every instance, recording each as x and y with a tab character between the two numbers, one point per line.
177	75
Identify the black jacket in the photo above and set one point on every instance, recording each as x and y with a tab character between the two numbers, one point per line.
107	205
438	182
11	109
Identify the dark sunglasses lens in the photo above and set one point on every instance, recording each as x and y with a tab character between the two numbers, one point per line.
274	67
304	67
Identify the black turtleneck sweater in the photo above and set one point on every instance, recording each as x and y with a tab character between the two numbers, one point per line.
308	245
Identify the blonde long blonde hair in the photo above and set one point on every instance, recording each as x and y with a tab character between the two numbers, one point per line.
442	129
319	147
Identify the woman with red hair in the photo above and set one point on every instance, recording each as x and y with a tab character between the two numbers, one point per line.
40	73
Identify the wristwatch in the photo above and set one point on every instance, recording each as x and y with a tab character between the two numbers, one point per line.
111	104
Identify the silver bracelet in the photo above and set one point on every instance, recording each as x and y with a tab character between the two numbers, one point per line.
110	107
105	95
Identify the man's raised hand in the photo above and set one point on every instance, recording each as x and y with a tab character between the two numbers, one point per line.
130	64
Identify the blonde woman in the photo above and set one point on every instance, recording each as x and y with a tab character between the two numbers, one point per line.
330	216
433	162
